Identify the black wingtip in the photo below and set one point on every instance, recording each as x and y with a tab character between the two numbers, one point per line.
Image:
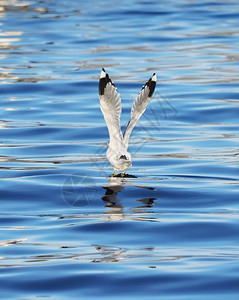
151	84
104	79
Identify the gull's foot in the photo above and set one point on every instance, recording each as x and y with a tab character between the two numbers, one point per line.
124	175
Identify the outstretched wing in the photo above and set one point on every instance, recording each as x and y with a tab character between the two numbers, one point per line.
110	104
139	107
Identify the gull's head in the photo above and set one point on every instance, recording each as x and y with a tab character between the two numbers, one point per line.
120	161
123	162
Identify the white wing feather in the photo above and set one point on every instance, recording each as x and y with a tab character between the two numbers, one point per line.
139	107
110	104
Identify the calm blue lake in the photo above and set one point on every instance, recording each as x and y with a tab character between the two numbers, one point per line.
69	230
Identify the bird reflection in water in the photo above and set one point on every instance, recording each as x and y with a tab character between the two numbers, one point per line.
117	185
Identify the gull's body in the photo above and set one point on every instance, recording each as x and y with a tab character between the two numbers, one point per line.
110	104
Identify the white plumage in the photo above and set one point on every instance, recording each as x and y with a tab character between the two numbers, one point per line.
110	104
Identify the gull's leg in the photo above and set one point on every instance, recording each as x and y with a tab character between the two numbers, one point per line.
115	173
122	174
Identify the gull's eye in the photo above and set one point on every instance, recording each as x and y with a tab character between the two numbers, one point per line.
122	157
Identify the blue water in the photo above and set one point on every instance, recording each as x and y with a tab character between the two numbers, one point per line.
68	230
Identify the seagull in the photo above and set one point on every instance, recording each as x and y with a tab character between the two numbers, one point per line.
110	104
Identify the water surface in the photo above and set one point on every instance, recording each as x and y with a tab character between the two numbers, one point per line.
68	230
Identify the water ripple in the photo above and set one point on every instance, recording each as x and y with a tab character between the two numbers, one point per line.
170	228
